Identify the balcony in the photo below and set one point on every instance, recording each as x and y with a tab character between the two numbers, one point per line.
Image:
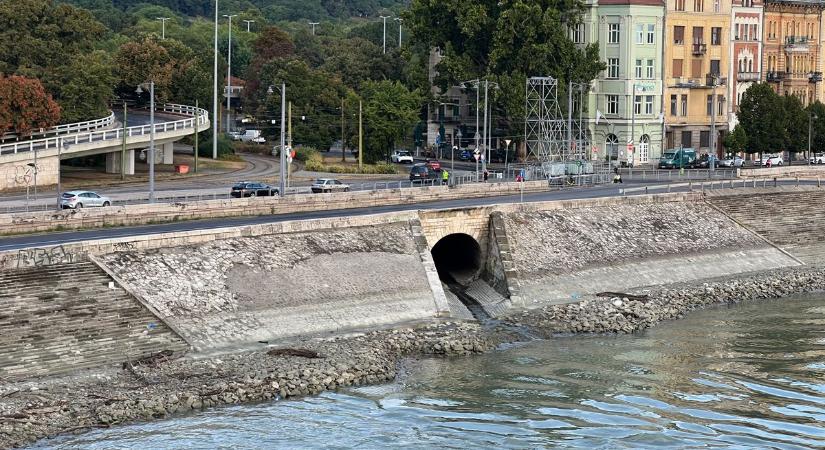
748	76
720	81
796	44
815	77
774	77
700	49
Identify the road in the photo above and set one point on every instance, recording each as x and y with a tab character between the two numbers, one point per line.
55	238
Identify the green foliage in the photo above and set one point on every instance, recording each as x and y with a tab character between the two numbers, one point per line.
817	109
315	163
762	117
390	112
796	125
88	87
737	140
224	147
25	106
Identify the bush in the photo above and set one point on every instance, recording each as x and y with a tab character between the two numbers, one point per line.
224	147
249	147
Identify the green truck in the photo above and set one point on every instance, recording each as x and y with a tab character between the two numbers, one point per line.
678	158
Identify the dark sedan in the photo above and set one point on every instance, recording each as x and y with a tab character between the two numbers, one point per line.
251	189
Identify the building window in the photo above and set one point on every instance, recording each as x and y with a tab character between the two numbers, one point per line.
716	6
704	139
684	104
709	106
715	67
640	34
612	102
649	71
638	68
637	104
674	105
720	105
696	68
613	33
651	33
649	104
687	138
716	36
578	33
747	3
677	68
698	5
678	35
612	67
611	145
736	32
680	5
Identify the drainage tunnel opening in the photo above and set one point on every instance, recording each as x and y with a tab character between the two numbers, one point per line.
457	258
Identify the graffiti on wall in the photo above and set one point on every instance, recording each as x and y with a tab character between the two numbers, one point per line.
39	257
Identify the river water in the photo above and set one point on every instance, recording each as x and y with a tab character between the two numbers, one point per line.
750	376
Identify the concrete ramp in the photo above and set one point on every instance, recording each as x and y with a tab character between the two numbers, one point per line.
561	255
243	290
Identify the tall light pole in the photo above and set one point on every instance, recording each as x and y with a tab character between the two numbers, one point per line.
163	27
247	24
384	18
811	118
399	20
283	153
215	93
313	25
229	71
139	91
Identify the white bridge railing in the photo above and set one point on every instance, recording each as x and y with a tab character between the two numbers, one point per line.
106	137
78	127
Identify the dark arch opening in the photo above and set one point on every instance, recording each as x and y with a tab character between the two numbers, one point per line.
457	258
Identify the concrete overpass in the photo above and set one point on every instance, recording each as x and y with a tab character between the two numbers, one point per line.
14	158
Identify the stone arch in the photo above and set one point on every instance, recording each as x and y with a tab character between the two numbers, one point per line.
458	258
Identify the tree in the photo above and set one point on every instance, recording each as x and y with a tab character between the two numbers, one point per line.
796	125
737	140
25	106
139	62
817	110
390	112
273	43
762	116
88	87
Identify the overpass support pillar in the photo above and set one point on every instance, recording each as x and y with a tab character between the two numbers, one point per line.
113	162
168	153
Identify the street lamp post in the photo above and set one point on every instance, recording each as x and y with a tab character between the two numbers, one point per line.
139	91
229	71
313	25
811	118
506	154
247	24
283	153
215	93
399	20
63	145
384	18
163	27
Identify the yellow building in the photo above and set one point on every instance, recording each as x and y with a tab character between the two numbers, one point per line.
697	52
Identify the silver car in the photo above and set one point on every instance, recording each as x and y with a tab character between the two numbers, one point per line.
83	199
328	185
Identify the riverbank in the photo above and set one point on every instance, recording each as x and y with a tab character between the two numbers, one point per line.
156	389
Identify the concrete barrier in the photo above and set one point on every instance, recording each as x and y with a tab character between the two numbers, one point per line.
783	171
32	222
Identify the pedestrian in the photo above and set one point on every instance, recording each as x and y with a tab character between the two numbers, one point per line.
445	176
486	175
617	178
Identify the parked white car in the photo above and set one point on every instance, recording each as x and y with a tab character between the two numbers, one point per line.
83	199
772	160
402	157
328	185
817	159
732	162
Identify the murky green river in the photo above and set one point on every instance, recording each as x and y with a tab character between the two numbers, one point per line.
750	376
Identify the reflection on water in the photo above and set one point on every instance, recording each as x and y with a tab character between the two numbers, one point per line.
752	376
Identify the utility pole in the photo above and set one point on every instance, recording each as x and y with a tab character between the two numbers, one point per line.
163	27
712	156
282	180
811	118
632	144
343	141
484	160
197	119
385	32
215	93
569	119
289	143
123	146
313	25
247	24
229	73
360	133
399	20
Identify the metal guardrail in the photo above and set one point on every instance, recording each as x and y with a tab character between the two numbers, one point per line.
724	184
76	127
199	114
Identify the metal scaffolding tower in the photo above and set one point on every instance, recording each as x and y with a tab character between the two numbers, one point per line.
552	135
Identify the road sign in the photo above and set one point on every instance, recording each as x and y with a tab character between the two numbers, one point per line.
476	155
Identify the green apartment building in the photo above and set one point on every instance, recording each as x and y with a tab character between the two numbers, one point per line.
625	119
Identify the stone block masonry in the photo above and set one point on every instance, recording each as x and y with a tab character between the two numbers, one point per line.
61	318
243	290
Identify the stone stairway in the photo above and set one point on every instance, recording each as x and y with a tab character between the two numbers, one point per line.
794	221
57	319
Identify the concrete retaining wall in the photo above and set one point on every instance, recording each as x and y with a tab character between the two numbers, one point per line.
243	290
784	171
18	223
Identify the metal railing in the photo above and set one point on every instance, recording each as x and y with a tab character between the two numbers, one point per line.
712	185
199	114
105	122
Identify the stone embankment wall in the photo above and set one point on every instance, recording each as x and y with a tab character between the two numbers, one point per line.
560	255
244	290
65	317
